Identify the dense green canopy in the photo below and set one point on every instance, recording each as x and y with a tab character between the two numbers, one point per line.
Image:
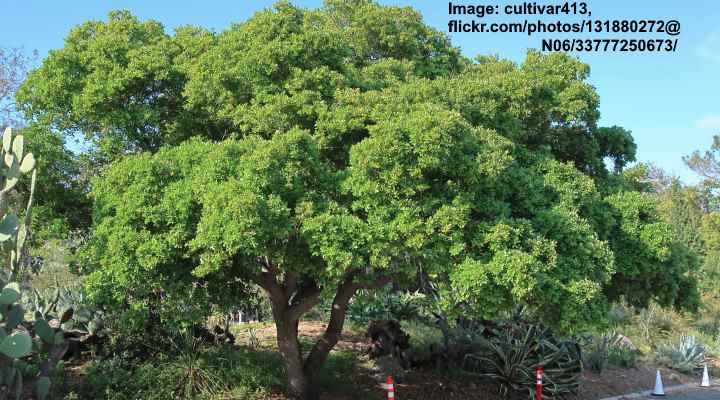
316	150
385	149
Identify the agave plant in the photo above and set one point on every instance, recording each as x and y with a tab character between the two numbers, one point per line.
513	354
685	355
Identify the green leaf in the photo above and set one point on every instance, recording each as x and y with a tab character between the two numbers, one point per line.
43	329
17	345
92	327
10	293
21	235
42	388
59	337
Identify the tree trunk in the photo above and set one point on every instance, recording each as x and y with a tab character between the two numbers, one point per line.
289	303
289	346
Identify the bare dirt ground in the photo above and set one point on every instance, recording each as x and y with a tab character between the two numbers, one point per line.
360	380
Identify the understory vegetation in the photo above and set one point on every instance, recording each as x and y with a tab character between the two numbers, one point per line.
312	200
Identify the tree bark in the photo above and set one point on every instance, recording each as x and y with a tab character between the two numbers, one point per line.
289	303
289	346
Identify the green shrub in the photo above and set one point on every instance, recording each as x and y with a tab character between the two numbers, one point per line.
620	315
196	373
656	323
384	304
608	349
424	340
30	350
708	321
595	356
622	357
710	343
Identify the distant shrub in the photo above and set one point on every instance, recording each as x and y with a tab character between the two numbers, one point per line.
622	357
656	323
424	341
610	348
595	356
708	321
620	314
384	304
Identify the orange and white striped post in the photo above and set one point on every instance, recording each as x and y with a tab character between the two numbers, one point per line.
538	383
390	385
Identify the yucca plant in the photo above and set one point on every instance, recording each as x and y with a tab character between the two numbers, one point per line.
598	350
195	377
512	355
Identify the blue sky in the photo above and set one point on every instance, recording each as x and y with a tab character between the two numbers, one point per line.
669	101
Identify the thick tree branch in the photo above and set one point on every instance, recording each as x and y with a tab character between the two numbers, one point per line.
344	293
268	281
304	301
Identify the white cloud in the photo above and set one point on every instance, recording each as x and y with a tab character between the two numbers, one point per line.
709	48
708	122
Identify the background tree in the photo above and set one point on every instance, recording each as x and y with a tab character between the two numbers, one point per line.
14	66
707	165
61	204
61	198
319	152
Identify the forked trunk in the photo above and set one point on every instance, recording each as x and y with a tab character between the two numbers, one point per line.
302	373
289	303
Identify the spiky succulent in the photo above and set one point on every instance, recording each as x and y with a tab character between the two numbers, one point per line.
22	342
511	355
685	354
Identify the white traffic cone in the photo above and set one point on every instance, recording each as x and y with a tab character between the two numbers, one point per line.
705	378
659	391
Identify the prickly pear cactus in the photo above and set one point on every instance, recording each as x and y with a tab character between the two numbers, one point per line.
82	323
15	163
21	342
